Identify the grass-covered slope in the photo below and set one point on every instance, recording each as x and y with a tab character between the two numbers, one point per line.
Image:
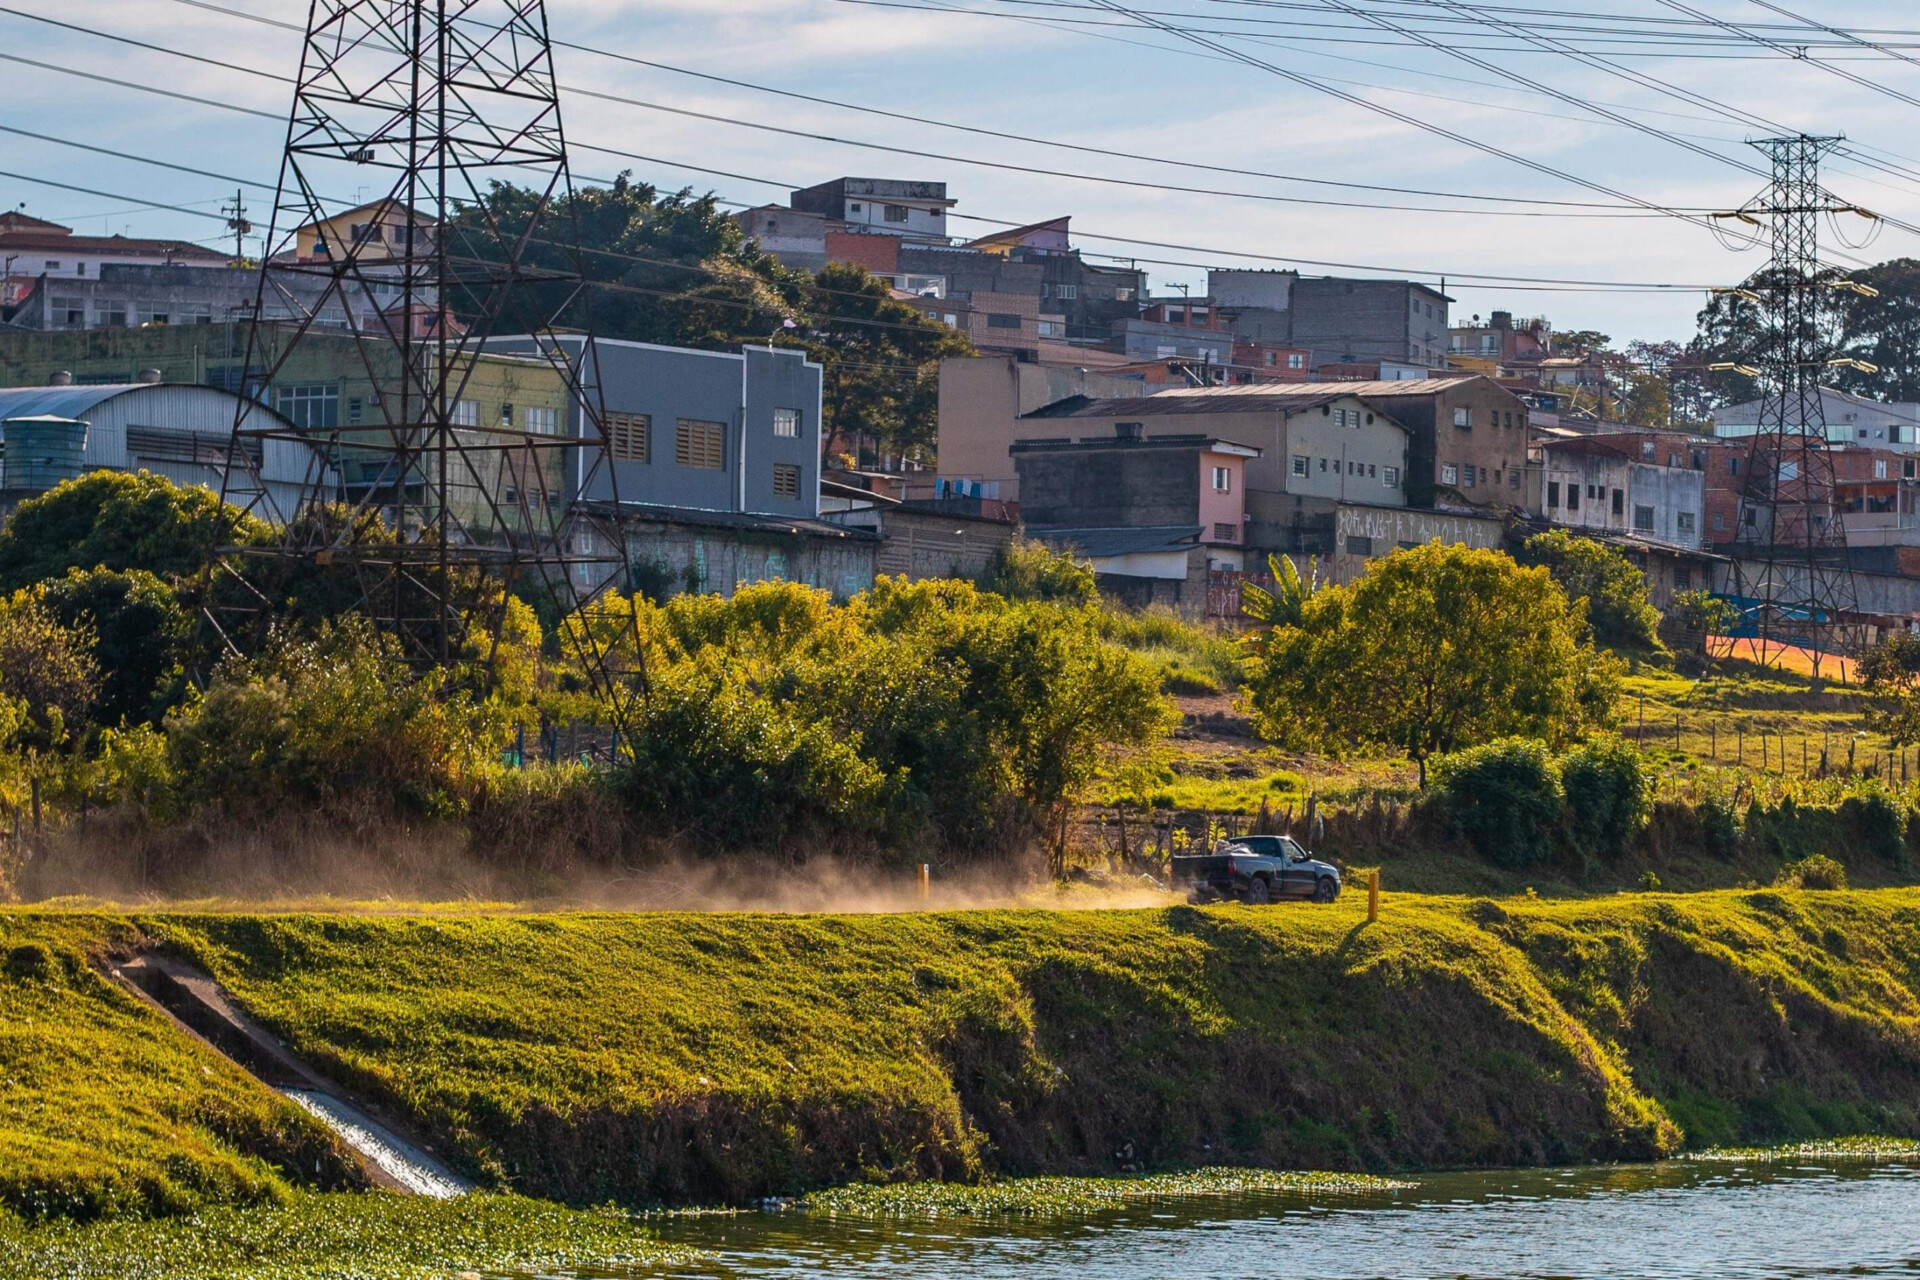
689	1058
106	1108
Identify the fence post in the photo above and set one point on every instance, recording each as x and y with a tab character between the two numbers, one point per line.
926	882
1643	718
1713	741
1373	895
1740	745
36	804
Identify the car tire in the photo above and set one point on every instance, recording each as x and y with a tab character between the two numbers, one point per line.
1257	893
1326	889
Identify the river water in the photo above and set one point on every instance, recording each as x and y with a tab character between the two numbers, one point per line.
1680	1219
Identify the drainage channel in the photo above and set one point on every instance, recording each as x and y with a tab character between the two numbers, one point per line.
196	1003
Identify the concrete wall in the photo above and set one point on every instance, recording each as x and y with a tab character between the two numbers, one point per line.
932	544
1678	498
184	295
693	557
1595	478
1493	442
982	399
1346	319
1136	485
1364	534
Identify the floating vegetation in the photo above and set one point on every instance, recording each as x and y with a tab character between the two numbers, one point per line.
1860	1147
335	1237
1052	1196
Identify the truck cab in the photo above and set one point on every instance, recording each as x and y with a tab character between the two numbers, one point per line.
1254	870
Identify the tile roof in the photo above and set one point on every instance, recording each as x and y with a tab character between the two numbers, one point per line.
1101	543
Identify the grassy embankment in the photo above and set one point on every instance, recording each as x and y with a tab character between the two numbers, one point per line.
688	1059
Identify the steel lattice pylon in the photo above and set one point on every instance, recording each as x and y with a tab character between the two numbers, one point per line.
439	99
1791	567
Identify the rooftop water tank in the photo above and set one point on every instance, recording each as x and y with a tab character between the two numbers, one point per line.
37	453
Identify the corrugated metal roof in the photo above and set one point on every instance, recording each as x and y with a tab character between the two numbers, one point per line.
1171	402
1099	544
62	402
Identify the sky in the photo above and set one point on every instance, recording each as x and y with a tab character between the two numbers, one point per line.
1646	100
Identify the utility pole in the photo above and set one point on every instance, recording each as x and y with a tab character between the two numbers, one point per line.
1791	569
238	224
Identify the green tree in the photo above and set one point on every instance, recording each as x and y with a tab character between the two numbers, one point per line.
141	632
1434	649
1609	791
46	668
1615	591
119	521
1891	672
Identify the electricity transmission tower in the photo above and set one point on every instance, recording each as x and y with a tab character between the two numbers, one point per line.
1791	570
428	514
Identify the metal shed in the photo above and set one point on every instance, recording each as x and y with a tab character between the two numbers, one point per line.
176	430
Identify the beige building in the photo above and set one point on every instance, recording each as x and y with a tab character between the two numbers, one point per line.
984	401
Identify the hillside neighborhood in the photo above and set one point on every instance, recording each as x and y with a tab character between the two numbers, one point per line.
1175	442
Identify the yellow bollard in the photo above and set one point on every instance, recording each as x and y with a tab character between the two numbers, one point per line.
926	882
1373	895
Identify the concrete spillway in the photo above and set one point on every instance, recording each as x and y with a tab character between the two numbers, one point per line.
196	1003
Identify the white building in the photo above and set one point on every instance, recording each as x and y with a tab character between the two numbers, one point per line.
1850	419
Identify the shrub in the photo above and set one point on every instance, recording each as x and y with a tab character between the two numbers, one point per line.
1033	571
327	718
1816	871
1504	797
1879	824
1719	825
1609	793
118	521
47	668
1615	591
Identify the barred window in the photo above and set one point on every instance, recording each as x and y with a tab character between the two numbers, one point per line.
786	480
629	437
700	445
786	422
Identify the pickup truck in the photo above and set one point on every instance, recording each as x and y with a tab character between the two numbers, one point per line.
1256	869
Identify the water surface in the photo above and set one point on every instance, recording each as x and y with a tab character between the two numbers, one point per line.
1680	1219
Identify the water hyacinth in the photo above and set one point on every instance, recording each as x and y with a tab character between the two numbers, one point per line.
1051	1196
336	1237
1858	1147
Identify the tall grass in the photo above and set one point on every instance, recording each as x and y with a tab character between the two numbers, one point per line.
1193	658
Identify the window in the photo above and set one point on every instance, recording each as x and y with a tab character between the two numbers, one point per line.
1719	520
1295	360
315	405
1683	522
893	213
70	312
1301	463
1907	468
1222	480
542	419
1879	468
1176	315
1682	578
1463	417
1271	356
854	207
153	313
786	480
466	413
1470	474
1339	417
1390	477
1733	466
1359	545
1553	493
1372	471
365	231
1323	466
700	445
110	313
506	415
53	264
1002	320
1642	518
1513	479
1646	450
1573	497
1449	474
1673	458
1123	294
353	409
1068	291
1224	532
1752	517
1050	329
1619	501
630	437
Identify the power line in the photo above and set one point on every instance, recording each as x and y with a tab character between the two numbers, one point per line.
1498	278
1586	209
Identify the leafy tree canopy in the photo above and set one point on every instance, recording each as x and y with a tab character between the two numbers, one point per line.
1615	591
1432	650
118	521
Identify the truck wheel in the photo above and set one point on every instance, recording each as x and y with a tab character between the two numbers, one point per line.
1326	889
1257	893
